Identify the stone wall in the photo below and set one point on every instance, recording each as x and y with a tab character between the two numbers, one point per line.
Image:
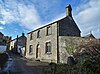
67	27
22	41
51	57
68	44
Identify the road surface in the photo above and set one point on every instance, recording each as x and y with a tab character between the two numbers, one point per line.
22	65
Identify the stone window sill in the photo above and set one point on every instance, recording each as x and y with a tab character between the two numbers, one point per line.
30	53
48	53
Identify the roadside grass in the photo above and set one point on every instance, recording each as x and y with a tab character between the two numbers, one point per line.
3	59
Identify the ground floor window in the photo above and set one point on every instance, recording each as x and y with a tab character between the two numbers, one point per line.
30	49
48	47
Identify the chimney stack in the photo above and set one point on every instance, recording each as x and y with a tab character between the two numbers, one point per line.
17	36
10	38
23	34
69	10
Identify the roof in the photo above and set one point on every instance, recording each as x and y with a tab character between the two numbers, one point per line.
1	33
69	18
13	39
89	36
18	38
48	25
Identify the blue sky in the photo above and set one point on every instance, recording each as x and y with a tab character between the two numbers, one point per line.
17	16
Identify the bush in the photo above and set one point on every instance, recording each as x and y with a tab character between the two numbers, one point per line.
88	57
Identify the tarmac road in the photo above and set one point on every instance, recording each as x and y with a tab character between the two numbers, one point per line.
22	65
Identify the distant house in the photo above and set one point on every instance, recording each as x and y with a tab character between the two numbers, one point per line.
4	40
43	43
89	36
12	44
18	43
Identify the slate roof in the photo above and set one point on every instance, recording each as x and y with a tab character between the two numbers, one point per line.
68	18
1	33
90	36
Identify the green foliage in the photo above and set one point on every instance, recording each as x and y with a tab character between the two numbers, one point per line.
89	58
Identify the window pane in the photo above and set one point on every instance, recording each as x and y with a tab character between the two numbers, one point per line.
48	30
48	47
38	34
30	49
31	37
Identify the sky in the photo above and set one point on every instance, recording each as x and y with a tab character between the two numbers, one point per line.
23	16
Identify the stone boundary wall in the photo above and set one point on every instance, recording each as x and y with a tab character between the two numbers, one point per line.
67	45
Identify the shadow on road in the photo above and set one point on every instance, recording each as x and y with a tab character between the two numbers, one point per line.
21	65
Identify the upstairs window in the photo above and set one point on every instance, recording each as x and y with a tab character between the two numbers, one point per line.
49	31
30	49
48	47
38	34
31	36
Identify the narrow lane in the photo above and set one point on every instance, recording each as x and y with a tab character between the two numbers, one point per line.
24	66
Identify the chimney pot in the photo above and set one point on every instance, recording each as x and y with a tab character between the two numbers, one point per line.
23	34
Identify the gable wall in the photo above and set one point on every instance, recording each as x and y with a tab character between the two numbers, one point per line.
67	27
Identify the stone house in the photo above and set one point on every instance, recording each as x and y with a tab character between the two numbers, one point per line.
44	43
4	40
12	44
18	43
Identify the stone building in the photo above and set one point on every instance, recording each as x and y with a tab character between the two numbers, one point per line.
12	44
18	43
43	43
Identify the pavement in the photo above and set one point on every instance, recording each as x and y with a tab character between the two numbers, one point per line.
21	65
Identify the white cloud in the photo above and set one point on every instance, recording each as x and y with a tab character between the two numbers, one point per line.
28	16
88	17
1	28
25	13
2	22
15	11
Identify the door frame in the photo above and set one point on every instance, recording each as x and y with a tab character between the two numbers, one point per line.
38	52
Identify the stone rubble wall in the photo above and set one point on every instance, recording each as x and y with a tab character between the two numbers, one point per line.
67	45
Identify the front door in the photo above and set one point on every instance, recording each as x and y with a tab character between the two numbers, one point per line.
38	52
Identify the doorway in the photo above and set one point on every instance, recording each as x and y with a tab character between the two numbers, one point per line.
38	52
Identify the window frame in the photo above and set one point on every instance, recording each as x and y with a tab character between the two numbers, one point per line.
48	47
38	34
30	49
49	30
31	36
